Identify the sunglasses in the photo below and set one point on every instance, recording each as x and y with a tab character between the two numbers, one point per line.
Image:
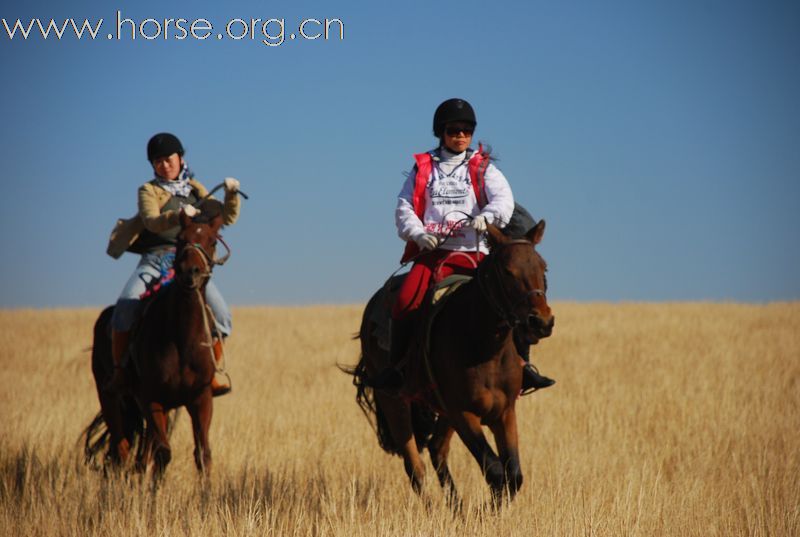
452	131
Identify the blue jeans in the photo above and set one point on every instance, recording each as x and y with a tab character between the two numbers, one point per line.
150	268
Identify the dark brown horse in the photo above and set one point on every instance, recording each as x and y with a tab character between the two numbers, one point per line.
172	362
469	375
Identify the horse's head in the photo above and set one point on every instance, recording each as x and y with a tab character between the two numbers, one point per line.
196	249
513	280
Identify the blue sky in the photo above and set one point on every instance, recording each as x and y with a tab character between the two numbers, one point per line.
660	141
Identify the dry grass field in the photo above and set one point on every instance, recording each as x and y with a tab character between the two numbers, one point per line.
667	419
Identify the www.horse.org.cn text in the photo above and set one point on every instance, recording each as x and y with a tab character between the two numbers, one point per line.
271	32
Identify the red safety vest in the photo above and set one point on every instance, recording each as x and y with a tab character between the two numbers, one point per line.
476	169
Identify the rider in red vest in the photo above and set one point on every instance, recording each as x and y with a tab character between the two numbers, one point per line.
442	211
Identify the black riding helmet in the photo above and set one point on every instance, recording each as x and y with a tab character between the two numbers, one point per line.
163	144
452	110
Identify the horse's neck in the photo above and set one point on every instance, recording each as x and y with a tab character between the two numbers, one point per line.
190	309
486	325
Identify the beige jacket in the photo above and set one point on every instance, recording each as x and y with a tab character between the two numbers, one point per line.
151	199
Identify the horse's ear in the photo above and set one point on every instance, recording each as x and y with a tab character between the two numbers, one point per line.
216	223
495	236
536	232
185	219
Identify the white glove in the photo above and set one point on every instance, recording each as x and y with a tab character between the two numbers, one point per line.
231	184
426	241
478	223
191	211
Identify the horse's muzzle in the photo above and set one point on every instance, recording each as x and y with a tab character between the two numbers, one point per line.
541	327
192	277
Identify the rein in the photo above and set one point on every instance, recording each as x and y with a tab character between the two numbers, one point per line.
208	260
208	315
207	257
423	252
199	202
503	305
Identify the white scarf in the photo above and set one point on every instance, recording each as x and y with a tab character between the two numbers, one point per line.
180	186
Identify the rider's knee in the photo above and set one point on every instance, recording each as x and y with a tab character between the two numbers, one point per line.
223	327
124	314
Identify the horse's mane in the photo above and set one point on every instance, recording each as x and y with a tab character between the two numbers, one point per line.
209	209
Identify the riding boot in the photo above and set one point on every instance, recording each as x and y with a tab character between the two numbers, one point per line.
119	345
391	378
220	382
532	380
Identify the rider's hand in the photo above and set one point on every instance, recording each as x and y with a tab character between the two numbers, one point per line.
478	223
191	211
231	184
426	241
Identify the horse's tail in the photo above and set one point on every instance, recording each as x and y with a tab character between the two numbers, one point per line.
423	419
96	436
365	397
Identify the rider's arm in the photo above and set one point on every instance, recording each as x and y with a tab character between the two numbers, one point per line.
150	210
407	222
230	211
500	200
231	206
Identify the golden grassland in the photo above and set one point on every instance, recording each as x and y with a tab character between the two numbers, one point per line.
667	419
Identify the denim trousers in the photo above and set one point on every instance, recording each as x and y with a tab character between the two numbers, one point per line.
152	266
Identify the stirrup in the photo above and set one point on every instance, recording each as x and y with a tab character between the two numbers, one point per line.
540	380
220	389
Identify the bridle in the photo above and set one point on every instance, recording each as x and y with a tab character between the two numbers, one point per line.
208	260
499	300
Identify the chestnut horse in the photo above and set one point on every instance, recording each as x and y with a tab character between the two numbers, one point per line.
171	365
471	374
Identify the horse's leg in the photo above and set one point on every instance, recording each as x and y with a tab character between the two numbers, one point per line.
398	418
200	411
468	427
506	438
110	402
157	451
119	445
121	449
145	448
144	456
439	447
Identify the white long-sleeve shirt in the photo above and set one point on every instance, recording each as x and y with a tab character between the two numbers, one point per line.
449	194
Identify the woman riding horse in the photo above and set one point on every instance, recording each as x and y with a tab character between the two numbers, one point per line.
172	190
446	185
172	362
468	373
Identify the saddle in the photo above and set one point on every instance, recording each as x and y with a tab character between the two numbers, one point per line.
153	288
441	291
424	386
436	297
381	316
